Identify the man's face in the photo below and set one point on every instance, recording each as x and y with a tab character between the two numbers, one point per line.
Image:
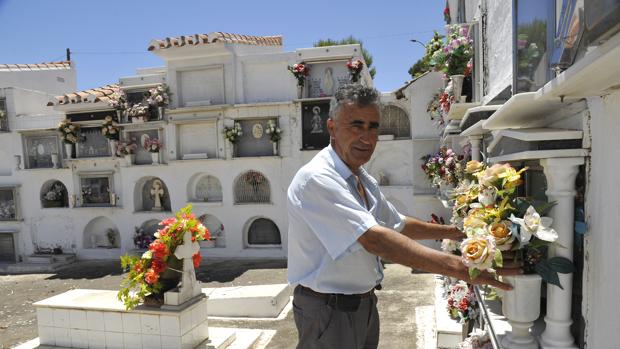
354	134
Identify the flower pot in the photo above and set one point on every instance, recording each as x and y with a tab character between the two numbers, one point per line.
160	112
137	120
230	150
155	158
113	145
130	159
300	92
275	148
521	307
457	86
69	150
119	116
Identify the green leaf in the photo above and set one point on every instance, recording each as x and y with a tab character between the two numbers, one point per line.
561	265
549	275
473	273
498	258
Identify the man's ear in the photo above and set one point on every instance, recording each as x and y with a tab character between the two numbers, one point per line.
330	127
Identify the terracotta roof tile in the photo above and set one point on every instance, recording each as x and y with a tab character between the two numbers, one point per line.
35	67
199	39
99	94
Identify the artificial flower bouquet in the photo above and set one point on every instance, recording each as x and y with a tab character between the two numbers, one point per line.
299	71
445	167
498	223
274	132
159	96
462	303
153	145
355	69
68	132
141	239
144	273
232	134
118	99
456	53
110	128
126	148
477	339
138	110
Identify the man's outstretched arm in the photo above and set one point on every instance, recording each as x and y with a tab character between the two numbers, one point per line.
396	247
418	230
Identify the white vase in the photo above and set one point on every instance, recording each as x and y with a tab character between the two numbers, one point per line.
55	161
119	116
155	158
160	111
230	149
69	150
275	148
113	145
300	92
457	86
130	159
521	307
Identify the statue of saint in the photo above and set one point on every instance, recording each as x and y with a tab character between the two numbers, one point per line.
327	84
317	123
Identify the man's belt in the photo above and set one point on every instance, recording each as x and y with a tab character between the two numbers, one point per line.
327	296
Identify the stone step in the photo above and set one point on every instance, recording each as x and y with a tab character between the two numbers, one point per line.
50	258
260	301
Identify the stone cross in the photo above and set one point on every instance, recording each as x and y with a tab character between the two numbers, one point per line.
189	286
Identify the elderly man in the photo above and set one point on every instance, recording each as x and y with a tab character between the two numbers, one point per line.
340	225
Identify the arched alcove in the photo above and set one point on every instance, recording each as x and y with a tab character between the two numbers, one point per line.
54	194
262	232
204	187
252	187
216	230
144	195
394	121
101	232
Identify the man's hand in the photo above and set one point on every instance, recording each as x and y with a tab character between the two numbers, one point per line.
486	278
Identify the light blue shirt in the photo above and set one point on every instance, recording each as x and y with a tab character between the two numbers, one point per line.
326	217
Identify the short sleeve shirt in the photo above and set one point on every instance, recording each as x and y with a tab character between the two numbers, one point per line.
326	217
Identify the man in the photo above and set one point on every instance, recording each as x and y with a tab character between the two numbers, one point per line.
340	225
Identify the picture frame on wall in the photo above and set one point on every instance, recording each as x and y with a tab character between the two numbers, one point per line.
314	125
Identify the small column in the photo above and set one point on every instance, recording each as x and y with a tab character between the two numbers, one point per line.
561	174
475	147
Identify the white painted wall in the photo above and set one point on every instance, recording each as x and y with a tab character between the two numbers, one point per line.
601	283
499	41
54	81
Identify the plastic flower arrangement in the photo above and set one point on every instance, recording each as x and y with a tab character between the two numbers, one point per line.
462	303
141	239
153	145
497	222
457	51
109	128
159	96
274	132
126	148
144	277
68	132
444	166
299	71
355	69
477	339
118	100
232	134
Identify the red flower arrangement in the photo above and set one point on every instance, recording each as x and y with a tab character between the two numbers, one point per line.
355	69
462	303
144	273
300	71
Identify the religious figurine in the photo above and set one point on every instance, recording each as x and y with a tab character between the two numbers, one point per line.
157	192
327	84
317	124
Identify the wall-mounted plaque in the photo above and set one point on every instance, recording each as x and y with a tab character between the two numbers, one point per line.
314	125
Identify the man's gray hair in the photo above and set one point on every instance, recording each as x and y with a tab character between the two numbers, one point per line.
356	94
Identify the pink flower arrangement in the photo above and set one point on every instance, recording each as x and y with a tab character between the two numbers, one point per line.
153	145
300	71
462	303
355	69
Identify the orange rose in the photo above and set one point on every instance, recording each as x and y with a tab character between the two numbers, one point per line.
151	277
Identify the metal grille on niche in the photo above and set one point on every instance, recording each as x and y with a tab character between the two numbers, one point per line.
252	187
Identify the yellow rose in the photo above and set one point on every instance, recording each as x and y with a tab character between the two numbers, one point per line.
501	233
473	222
473	166
478	252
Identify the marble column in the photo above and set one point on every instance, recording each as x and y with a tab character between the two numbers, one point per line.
561	174
475	147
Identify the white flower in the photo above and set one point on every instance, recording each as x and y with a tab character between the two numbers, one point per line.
487	196
533	224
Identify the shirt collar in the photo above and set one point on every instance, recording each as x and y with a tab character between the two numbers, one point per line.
342	168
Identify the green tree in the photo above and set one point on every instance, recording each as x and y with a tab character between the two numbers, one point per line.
349	41
425	63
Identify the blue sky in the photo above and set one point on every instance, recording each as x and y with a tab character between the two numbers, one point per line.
109	38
